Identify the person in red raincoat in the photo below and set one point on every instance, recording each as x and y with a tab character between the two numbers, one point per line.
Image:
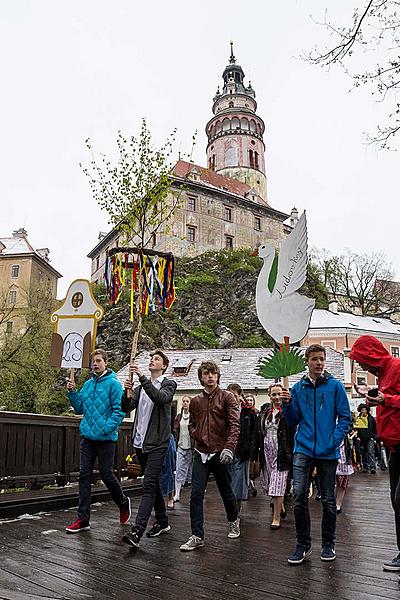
372	356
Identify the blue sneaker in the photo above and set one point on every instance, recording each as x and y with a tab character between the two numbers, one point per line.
300	553
328	552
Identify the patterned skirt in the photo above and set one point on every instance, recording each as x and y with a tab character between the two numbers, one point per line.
273	482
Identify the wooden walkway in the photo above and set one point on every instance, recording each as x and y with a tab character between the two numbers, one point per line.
39	561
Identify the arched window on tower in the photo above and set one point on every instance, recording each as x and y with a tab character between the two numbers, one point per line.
253	126
256	160
245	124
226	125
235	124
251	158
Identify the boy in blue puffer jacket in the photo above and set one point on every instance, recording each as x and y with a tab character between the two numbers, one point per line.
319	406
99	401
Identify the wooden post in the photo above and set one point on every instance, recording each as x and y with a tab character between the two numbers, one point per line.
285	380
72	375
135	339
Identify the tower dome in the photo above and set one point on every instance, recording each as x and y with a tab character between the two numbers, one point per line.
235	133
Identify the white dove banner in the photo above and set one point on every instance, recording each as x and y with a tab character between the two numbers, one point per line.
282	311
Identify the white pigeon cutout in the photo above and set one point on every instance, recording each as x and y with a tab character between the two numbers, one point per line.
282	311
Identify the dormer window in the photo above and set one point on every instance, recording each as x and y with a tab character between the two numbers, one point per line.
226	358
181	367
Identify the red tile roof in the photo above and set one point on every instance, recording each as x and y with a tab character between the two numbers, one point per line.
212	179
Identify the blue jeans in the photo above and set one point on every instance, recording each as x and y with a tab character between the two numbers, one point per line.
302	466
223	479
105	451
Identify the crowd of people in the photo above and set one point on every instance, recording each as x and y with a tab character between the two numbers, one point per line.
300	440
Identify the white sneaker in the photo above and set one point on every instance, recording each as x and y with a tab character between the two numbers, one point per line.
234	529
192	543
176	498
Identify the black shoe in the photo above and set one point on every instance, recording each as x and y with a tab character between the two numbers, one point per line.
328	552
132	539
318	497
158	529
365	470
300	553
373	471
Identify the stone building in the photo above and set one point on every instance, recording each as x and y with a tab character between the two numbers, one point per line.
224	205
22	269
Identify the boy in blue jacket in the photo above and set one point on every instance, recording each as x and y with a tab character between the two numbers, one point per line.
99	401
319	407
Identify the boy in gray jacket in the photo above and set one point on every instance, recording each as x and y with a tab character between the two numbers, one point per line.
150	438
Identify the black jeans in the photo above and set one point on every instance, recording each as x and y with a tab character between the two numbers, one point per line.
326	470
394	475
105	451
151	463
367	450
223	479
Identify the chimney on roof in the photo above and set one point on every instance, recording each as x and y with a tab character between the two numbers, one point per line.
44	253
102	235
333	307
294	216
20	233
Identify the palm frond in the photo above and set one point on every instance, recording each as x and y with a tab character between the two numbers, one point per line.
282	363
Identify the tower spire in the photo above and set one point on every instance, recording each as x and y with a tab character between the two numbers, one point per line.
232	58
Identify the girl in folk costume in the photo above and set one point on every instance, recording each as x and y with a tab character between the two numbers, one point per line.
276	442
246	448
184	452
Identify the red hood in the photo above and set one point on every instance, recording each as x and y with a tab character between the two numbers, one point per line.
370	351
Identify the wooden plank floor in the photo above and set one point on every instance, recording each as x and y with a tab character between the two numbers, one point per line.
39	561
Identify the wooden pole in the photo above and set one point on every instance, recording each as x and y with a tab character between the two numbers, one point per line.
72	375
285	380
135	339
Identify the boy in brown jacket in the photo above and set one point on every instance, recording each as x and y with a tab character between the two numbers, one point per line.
214	427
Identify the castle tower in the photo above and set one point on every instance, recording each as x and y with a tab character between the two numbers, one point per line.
235	132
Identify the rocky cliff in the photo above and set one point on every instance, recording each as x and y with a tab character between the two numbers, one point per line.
214	308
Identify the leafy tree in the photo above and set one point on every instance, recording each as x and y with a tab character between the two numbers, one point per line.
315	286
27	382
137	190
365	280
375	26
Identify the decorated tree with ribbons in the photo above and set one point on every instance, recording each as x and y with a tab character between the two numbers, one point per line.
140	194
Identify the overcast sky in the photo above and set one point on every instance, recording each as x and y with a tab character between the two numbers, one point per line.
77	69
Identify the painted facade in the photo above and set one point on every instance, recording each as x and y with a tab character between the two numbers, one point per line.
22	269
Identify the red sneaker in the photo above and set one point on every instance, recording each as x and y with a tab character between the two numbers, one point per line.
125	512
77	526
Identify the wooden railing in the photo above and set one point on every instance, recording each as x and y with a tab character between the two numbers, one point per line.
36	450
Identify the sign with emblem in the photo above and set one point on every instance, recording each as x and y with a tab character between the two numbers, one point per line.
75	325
